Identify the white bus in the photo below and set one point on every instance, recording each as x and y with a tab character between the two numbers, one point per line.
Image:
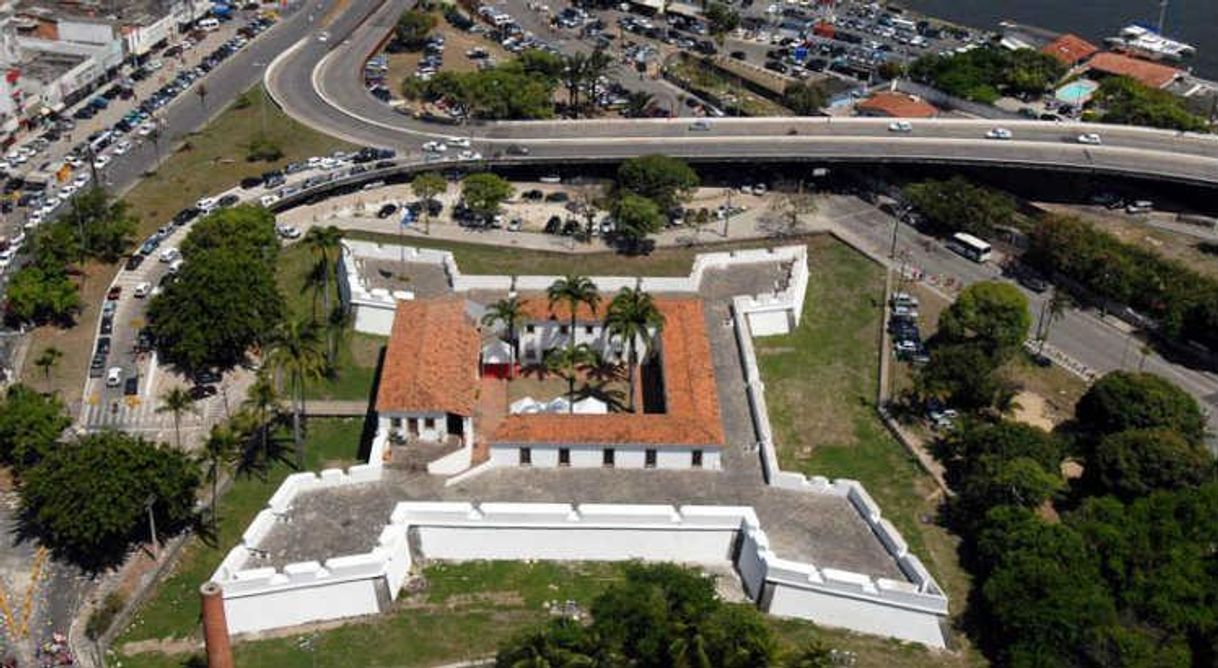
970	246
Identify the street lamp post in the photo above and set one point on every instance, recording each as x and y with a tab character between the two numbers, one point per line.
148	504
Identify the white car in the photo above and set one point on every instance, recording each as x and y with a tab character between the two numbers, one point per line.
1090	138
81	181
207	204
998	133
146	129
288	231
435	147
114	377
33	221
122	147
68	190
170	255
74	161
327	164
700	126
142	290
268	200
101	161
459	142
900	126
469	155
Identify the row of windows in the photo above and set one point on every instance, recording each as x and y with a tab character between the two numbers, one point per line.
608	457
396	423
562	329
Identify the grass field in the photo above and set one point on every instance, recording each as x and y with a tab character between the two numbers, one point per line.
173	609
483	259
821	383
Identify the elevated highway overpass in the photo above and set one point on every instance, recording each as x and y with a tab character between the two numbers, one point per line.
319	82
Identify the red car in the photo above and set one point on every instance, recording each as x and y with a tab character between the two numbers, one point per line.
114	293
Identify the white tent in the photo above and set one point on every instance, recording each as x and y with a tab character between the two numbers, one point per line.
525	405
497	352
558	405
591	406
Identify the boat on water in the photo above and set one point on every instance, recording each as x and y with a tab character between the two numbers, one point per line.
1145	42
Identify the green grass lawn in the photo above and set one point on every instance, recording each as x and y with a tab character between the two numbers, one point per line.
213	159
821	383
484	259
173	609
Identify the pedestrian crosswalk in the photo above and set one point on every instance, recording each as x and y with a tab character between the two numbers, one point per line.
136	414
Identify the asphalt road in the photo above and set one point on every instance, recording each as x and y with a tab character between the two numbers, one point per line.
318	83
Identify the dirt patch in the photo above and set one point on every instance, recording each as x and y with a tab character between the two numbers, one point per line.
76	342
1031	408
162	646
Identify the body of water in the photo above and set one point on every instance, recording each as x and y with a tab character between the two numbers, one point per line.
1191	21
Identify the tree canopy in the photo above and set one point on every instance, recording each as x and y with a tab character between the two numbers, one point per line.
225	298
506	91
636	217
86	499
993	314
1125	101
804	98
483	192
30	423
721	18
958	205
1124	400
665	180
1136	462
39	295
413	28
986	73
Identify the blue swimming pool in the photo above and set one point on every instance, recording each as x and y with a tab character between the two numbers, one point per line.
1077	92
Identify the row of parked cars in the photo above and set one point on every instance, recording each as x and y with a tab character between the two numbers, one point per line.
907	341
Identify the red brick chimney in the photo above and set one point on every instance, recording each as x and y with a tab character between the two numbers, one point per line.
215	627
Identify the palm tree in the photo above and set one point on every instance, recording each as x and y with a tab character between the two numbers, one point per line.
632	315
324	244
177	401
508	311
1051	311
598	64
573	290
425	186
48	359
262	403
218	449
637	103
294	350
575	72
565	362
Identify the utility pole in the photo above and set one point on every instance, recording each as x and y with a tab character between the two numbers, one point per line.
148	504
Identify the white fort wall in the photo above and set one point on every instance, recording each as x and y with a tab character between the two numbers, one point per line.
259	598
373	308
264	598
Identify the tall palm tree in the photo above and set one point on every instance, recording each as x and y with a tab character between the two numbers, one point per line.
262	403
177	401
566	361
218	449
632	315
599	64
575	72
48	359
324	244
638	102
508	311
573	290
294	350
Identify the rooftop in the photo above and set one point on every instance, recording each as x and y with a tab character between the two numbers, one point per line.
1143	71
1070	49
897	105
691	397
431	362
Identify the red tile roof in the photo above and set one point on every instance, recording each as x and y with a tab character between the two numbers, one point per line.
431	363
691	396
1144	71
1070	49
897	105
538	308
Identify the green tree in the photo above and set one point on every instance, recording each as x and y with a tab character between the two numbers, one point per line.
30	423
562	643
994	481
958	205
1124	400
1126	101
509	311
413	28
1134	463
47	360
483	192
965	376
219	448
294	351
425	186
665	180
262	404
721	18
571	291
638	103
226	298
636	217
40	295
804	98
633	316
812	654
325	244
566	362
967	449
505	91
177	402
86	500
993	314
107	227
